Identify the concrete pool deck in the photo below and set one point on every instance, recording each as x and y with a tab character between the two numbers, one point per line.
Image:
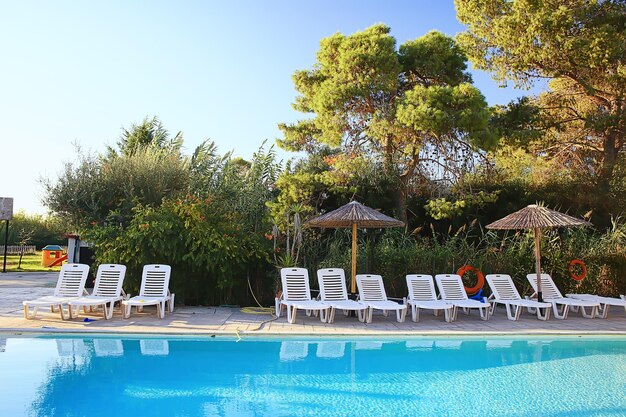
16	287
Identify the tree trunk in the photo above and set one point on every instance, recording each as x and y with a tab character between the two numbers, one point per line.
612	144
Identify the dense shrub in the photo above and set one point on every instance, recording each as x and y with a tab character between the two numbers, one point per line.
211	256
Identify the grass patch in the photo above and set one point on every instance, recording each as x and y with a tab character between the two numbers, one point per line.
30	263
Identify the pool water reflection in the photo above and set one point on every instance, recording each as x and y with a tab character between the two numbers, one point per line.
65	376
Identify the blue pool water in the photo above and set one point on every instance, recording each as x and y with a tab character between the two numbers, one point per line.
52	376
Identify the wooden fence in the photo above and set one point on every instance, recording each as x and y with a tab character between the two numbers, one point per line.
17	249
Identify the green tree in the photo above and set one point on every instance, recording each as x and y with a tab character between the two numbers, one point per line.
147	167
405	107
36	229
149	133
579	45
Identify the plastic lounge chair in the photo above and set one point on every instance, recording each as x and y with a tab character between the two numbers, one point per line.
155	280
372	292
70	286
503	292
106	291
422	295
297	295
551	294
452	291
605	302
334	293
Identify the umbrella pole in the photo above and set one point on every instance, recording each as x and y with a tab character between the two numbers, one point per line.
538	262
353	285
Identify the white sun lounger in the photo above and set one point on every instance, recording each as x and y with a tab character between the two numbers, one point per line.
551	294
334	293
503	292
107	291
452	291
297	295
372	292
70	286
155	280
605	302
422	295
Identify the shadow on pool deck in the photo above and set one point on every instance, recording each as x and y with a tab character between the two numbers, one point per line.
223	320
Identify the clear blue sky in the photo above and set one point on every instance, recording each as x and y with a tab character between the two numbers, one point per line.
76	72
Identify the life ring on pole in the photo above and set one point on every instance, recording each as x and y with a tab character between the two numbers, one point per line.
583	269
480	278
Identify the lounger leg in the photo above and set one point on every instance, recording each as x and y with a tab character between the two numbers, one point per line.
415	313
402	315
546	314
331	315
370	313
62	312
171	303
455	311
560	316
446	315
587	315
291	314
603	311
509	313
362	315
323	315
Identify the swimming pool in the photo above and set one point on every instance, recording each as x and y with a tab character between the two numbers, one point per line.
66	376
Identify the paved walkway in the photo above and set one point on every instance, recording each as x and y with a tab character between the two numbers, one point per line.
14	288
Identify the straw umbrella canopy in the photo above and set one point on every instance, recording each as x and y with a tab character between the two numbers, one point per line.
536	218
353	215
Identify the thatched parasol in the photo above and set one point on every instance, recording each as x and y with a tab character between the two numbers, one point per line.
354	214
536	217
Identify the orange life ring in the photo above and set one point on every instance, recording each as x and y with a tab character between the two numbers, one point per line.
583	268
480	278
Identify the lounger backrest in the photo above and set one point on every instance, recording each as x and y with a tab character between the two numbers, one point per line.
295	284
332	284
155	280
109	280
548	288
72	278
502	287
371	288
451	287
421	287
